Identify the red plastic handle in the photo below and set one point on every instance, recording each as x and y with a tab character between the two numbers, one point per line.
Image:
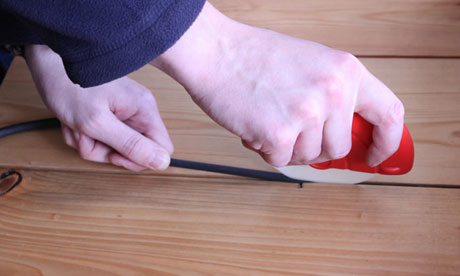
400	162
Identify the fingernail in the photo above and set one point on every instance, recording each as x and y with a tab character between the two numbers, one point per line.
160	160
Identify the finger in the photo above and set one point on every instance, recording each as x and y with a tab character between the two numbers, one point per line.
258	151
156	130
336	137
68	136
277	148
379	106
255	147
121	161
251	146
93	150
130	143
147	119
308	145
76	136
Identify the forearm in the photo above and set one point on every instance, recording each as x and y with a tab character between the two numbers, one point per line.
102	41
47	70
289	99
206	42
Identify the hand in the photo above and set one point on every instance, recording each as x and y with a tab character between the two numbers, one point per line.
117	122
288	99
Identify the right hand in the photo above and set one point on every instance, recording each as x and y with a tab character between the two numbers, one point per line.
288	99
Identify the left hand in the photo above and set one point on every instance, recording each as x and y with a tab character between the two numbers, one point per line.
117	122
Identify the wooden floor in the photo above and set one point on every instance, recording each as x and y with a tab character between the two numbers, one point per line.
72	216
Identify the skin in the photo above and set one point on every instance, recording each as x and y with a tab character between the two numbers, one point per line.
117	122
290	100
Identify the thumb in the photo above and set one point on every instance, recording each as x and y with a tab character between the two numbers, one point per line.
130	143
380	107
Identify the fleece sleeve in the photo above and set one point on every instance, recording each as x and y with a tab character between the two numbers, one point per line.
98	40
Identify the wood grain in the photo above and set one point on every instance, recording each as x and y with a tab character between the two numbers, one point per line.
429	88
70	216
97	224
363	27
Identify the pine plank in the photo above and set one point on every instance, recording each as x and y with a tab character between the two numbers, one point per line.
428	87
363	27
104	224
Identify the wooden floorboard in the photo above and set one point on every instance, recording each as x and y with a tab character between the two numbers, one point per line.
363	27
99	224
429	88
70	216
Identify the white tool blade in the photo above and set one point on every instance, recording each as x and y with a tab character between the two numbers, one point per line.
307	173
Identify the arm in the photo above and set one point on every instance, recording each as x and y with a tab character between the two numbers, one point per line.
288	99
98	41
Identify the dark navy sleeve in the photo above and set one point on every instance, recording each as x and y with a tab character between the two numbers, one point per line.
98	40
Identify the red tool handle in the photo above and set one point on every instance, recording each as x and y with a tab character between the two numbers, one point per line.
399	163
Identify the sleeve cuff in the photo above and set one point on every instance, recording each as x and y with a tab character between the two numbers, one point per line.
143	48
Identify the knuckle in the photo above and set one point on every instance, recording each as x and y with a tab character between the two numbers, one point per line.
253	145
132	147
85	154
347	61
143	94
395	114
309	112
340	152
146	96
281	138
333	87
276	146
91	123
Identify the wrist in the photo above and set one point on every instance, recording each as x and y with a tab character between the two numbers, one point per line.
199	50
44	64
48	73
36	55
